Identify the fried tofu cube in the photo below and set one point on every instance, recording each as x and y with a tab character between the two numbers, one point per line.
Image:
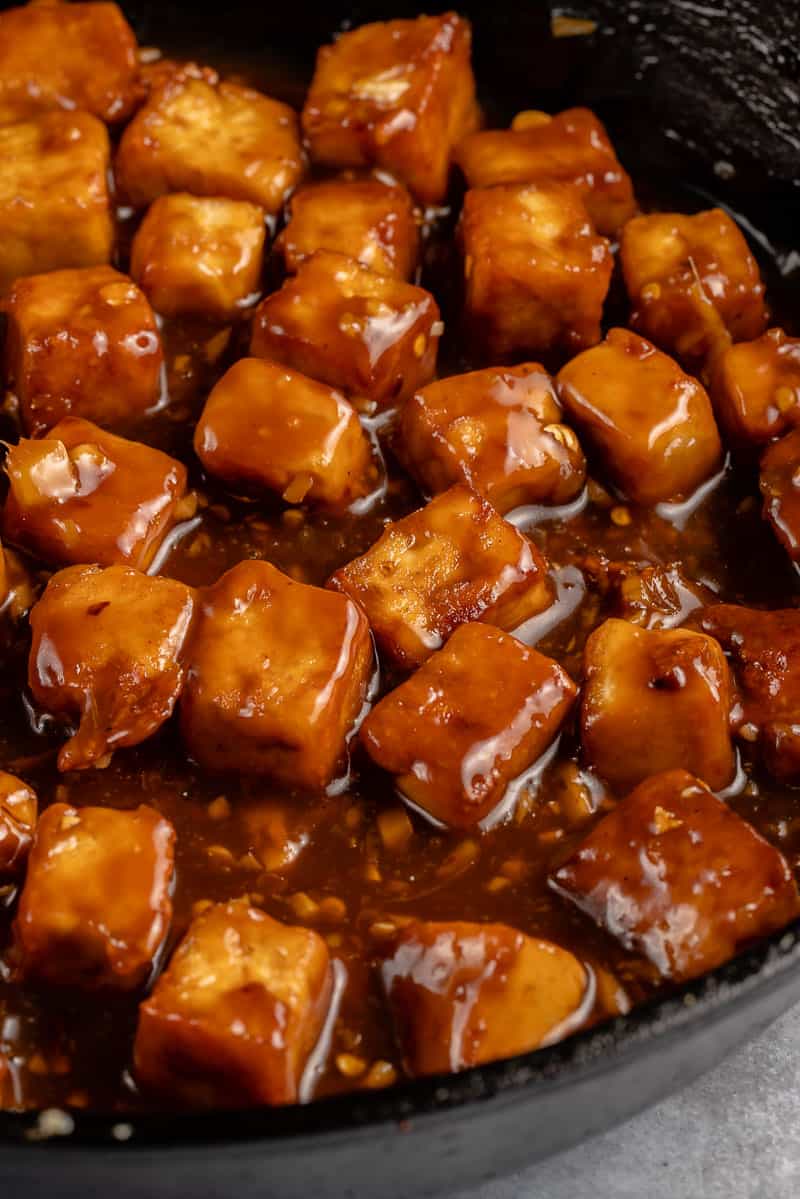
67	56
652	425
535	272
370	335
107	652
394	94
233	1019
477	714
278	673
85	495
81	343
653	700
462	994
570	147
453	561
96	908
195	256
266	427
755	386
693	284
675	875
373	222
210	139
55	204
499	431
18	811
780	472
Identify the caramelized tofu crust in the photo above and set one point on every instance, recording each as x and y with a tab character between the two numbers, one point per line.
18	811
651	424
194	256
677	876
81	343
472	718
780	472
570	147
233	1019
67	56
535	272
55	205
107	652
278	673
395	94
694	286
265	427
499	431
336	321
210	139
373	222
453	561
653	700
462	994
96	908
755	386
85	495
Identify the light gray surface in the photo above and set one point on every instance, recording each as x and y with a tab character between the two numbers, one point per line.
734	1134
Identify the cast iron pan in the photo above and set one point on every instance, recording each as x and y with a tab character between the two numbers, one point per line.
703	99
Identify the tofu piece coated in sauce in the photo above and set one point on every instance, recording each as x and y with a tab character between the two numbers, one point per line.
755	386
18	812
779	479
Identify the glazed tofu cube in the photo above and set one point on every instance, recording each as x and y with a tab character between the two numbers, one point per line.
194	256
780	472
278	673
499	431
653	700
394	94
96	908
265	427
211	140
81	343
453	561
67	56
694	286
368	334
234	1018
370	221
472	718
107	653
675	875
755	386
18	810
535	272
570	147
651	425
462	994
85	495
55	205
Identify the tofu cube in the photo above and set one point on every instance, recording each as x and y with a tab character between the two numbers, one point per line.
85	495
477	714
18	811
497	430
96	908
394	94
81	343
370	335
653	700
373	222
755	386
651	425
210	139
55	204
453	561
462	994
693	284
278	673
266	427
107	653
67	56
780	471
675	875
535	272
194	256
233	1019
570	147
